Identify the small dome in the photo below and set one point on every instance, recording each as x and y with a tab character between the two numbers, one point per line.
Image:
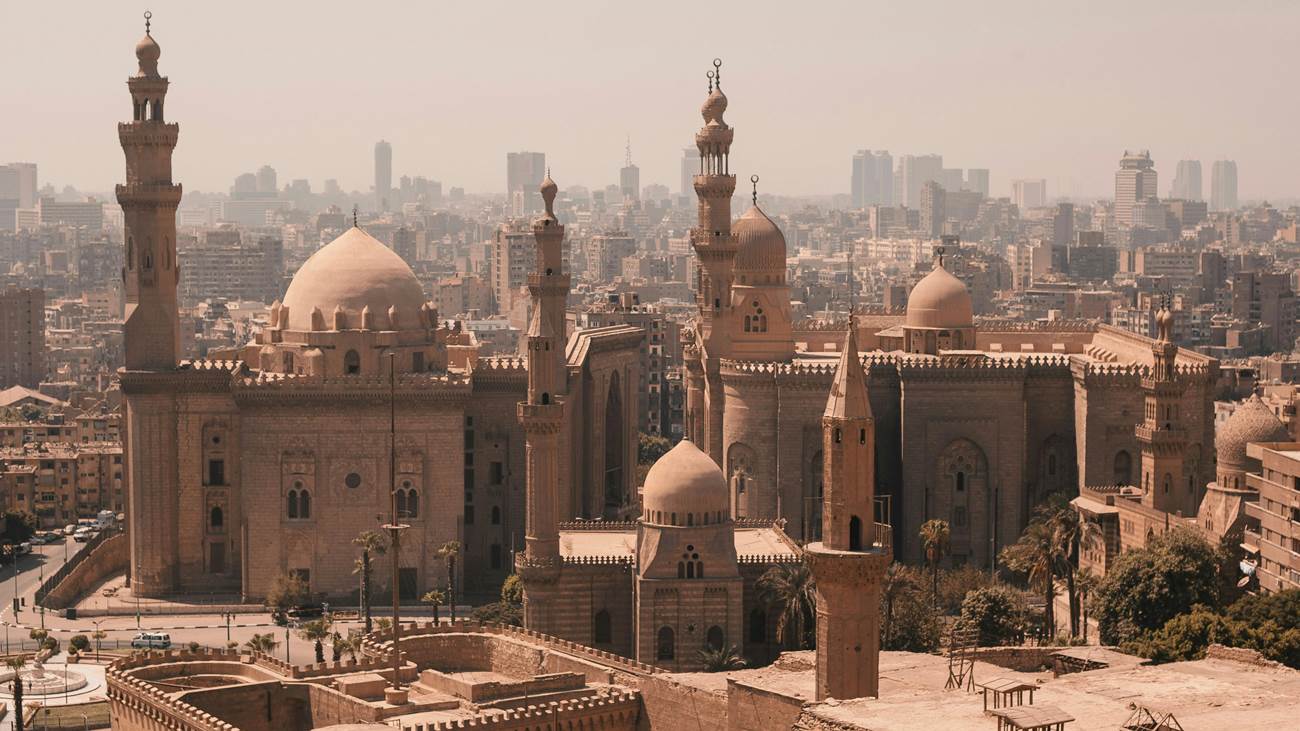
686	481
355	274
714	106
940	301
1253	421
762	245
148	50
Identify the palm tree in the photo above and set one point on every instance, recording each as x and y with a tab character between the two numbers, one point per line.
264	644
1085	582
1040	554
436	599
934	539
898	582
371	543
1078	534
721	659
316	632
448	552
791	589
16	663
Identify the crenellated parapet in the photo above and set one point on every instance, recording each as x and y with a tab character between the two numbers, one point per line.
618	710
988	326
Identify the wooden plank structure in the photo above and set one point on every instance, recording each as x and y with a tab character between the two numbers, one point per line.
1032	718
961	659
1145	719
1006	692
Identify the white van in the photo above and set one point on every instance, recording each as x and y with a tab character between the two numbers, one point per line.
152	641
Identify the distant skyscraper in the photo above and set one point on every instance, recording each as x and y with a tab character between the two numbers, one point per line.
873	178
524	174
690	168
1134	181
933	211
384	173
629	177
1029	193
951	179
266	182
1223	186
913	172
1062	236
25	173
245	185
1187	181
977	181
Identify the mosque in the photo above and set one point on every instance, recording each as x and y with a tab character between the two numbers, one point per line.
268	460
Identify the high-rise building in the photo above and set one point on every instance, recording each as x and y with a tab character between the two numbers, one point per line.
977	181
913	172
245	186
1134	181
1029	193
873	178
629	177
524	174
513	256
22	337
932	209
383	174
951	179
88	213
1187	181
18	183
1223	186
266	180
1062	236
690	168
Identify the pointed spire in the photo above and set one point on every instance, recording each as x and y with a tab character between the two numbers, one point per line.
848	399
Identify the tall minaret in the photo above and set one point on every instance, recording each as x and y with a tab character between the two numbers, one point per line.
1165	486
715	247
849	563
149	200
542	416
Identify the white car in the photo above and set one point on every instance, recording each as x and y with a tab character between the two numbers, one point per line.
152	641
69	529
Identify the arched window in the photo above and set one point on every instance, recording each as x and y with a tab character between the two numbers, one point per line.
215	518
699	569
495	555
602	633
855	533
412	503
715	638
304	505
1051	464
292	509
961	482
758	626
1168	479
690	519
352	363
496	515
681	569
667	649
400	498
288	362
690	569
546	398
1123	467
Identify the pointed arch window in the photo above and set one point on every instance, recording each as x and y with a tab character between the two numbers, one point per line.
666	646
216	518
352	363
602	629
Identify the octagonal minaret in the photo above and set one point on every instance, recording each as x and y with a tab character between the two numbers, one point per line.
850	561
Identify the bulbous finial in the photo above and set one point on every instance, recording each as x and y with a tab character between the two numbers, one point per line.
753	179
549	189
147	51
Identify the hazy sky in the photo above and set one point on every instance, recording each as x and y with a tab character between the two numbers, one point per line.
1028	89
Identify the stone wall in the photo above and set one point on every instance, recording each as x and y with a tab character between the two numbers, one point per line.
755	709
615	712
668	704
108	558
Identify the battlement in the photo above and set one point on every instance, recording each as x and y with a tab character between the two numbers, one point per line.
770	558
1035	326
597	525
134	697
617	709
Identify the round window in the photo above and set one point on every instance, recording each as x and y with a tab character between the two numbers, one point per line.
353	480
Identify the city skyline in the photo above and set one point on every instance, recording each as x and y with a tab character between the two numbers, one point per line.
261	108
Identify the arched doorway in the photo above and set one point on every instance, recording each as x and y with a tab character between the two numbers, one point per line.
961	497
1123	468
614	450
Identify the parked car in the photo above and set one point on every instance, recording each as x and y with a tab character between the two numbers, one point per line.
69	529
82	535
54	536
307	611
152	641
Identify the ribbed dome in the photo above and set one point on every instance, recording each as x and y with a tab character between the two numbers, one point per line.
353	273
1253	421
762	245
686	481
940	301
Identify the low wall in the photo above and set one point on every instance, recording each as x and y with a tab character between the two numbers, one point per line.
1020	659
615	712
483	692
104	560
672	705
755	709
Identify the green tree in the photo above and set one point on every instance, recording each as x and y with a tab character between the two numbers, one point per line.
997	613
1078	534
934	541
19	526
499	613
435	599
512	590
287	591
915	624
16	664
721	659
1040	554
79	643
1147	587
898	582
1085	583
372	543
790	589
316	632
263	643
650	448
1186	636
956	583
448	552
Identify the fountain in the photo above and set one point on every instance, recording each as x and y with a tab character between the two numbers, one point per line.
41	681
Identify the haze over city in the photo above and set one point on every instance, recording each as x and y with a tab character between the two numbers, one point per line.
1025	89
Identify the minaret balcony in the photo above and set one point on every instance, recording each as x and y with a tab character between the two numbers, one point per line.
159	194
1158	435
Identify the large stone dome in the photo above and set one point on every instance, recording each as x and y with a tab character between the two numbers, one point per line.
683	482
350	274
761	246
1253	421
941	301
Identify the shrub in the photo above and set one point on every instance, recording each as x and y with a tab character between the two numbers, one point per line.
1149	586
997	612
955	584
915	626
79	643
